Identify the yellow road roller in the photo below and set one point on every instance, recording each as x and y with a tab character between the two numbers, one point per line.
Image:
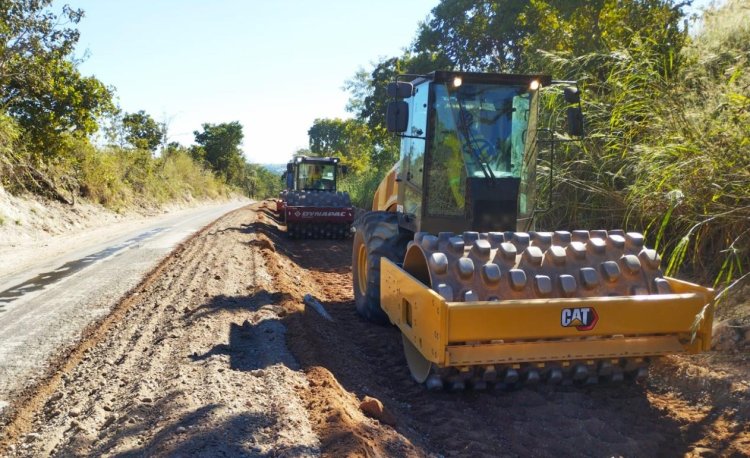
450	255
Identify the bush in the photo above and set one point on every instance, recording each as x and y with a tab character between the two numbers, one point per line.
100	176
8	140
117	177
111	176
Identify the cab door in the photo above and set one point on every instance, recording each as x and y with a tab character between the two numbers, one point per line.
413	146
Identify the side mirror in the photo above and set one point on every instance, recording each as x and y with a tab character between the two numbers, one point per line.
290	168
283	176
400	90
344	169
575	116
397	116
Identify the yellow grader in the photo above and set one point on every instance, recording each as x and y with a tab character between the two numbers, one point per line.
448	253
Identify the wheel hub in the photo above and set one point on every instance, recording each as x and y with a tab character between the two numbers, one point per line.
362	268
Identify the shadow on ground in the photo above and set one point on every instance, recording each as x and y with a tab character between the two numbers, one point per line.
253	344
187	435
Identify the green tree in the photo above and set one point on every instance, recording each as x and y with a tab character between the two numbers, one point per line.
350	139
505	35
303	152
219	146
40	85
327	137
261	183
473	35
368	97
141	131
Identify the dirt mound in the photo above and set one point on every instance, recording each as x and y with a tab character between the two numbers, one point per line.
731	335
302	267
343	429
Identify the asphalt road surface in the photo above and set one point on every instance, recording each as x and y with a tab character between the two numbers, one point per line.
44	308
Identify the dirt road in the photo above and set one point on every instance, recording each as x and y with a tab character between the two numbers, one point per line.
50	292
215	354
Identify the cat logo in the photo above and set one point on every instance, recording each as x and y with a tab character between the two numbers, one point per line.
581	318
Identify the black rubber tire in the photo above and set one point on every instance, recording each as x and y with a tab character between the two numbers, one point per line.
381	236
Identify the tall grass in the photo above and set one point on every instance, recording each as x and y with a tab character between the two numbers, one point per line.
114	177
9	133
668	152
705	158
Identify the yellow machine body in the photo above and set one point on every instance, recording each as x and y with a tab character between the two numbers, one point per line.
386	196
451	334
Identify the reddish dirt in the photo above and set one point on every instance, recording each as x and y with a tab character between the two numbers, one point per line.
217	354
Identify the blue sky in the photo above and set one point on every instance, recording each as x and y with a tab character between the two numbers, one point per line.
274	66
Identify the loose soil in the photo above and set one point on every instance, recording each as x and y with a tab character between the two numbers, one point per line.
215	353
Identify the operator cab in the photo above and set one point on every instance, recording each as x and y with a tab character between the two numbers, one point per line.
312	173
468	150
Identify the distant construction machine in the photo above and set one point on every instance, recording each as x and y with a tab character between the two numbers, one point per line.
310	206
449	254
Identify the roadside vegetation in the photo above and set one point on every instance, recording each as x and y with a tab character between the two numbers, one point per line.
63	137
667	107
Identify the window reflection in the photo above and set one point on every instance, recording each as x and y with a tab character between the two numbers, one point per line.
320	177
479	131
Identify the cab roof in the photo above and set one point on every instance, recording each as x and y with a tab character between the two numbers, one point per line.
483	78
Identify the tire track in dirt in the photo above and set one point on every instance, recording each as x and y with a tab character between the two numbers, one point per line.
299	267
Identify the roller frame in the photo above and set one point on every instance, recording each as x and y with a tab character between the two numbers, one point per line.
451	334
